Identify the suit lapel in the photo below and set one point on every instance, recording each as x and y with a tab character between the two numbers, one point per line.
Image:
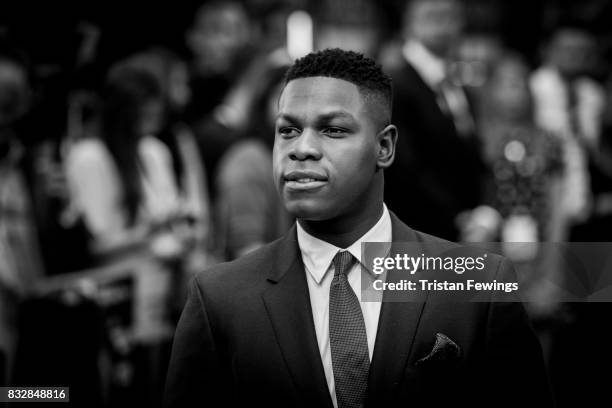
430	102
397	329
287	302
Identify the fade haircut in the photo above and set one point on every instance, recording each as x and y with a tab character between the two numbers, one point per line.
353	67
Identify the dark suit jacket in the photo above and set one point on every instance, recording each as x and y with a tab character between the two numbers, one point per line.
246	338
436	173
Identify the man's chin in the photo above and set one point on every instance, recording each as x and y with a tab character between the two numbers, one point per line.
308	211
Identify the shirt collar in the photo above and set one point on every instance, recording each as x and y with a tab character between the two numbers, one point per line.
429	66
317	254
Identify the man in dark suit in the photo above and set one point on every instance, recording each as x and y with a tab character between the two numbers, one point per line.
438	169
284	327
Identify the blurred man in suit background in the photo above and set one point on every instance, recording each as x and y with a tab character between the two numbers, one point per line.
438	167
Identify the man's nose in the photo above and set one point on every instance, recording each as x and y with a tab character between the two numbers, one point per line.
306	146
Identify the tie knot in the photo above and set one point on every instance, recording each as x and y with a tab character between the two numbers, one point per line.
343	261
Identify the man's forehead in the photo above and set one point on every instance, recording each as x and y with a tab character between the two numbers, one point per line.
322	94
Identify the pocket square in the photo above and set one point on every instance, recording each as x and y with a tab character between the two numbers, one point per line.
444	349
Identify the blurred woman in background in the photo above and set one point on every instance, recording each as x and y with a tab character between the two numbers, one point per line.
171	75
523	194
525	163
122	180
122	183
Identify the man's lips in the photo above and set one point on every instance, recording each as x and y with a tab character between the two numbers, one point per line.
302	175
302	180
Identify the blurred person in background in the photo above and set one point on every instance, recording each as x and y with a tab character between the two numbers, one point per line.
249	211
234	134
219	41
438	169
569	103
171	75
523	190
122	183
351	25
122	180
477	54
525	163
65	111
20	259
47	326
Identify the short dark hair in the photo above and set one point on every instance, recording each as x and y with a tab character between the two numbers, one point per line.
350	66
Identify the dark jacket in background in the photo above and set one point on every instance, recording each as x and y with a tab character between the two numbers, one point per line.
437	172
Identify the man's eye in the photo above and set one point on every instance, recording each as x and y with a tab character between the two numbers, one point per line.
334	131
288	131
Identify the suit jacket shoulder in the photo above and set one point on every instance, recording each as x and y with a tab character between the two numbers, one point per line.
229	282
248	267
496	264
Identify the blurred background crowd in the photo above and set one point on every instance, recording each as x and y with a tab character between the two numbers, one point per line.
136	144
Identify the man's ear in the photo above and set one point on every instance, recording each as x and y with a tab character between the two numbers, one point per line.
386	140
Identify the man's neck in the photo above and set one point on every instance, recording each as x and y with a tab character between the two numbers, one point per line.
344	231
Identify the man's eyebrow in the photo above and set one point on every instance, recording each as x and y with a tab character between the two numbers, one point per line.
336	114
321	118
287	117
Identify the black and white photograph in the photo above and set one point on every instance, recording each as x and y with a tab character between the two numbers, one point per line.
306	203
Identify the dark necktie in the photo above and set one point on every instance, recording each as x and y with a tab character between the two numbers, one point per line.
347	337
453	103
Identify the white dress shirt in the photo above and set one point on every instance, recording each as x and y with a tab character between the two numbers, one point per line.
317	256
